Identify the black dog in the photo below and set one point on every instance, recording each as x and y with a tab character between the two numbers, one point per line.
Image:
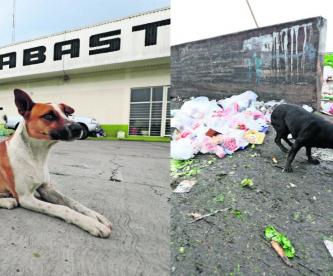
308	130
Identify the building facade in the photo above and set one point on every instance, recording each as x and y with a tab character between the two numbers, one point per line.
117	72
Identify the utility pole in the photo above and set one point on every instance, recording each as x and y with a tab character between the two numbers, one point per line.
13	26
254	18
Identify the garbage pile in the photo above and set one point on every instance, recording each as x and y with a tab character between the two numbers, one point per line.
327	108
219	127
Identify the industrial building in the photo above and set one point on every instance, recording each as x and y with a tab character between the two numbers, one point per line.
117	72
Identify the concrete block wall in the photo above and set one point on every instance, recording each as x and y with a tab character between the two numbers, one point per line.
279	61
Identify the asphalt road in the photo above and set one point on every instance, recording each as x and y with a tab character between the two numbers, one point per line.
38	245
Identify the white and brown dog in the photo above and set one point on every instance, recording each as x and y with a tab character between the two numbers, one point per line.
23	168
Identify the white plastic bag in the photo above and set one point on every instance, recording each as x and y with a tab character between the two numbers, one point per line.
181	149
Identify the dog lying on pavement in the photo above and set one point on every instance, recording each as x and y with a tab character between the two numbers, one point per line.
307	129
23	168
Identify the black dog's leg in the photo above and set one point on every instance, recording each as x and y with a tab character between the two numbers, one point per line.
285	138
291	156
310	158
278	142
306	135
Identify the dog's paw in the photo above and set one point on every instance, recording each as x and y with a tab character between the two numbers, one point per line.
9	203
98	229
314	161
101	219
287	169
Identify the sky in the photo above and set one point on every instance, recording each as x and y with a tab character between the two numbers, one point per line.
199	19
35	18
191	19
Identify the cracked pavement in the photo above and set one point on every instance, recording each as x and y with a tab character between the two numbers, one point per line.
35	244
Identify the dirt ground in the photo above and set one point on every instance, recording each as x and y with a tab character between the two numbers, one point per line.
33	244
298	204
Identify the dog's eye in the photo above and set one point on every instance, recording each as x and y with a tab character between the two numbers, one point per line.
50	116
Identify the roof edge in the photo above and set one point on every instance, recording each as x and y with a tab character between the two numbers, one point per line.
88	26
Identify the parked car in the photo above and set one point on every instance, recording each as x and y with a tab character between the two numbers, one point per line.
90	126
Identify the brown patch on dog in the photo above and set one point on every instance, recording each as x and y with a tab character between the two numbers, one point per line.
7	183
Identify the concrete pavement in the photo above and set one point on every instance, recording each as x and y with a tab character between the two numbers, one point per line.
35	244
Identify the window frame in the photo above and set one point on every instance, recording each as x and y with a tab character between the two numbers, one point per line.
164	115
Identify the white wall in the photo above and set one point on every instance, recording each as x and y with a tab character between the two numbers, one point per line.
103	95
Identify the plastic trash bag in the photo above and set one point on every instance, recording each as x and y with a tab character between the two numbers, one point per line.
181	149
327	107
218	127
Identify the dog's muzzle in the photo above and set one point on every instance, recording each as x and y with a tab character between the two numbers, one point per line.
69	132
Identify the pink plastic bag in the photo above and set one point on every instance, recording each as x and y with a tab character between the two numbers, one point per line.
229	143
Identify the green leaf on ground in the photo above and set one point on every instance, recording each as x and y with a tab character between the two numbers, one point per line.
237	213
272	234
181	250
219	198
181	168
247	182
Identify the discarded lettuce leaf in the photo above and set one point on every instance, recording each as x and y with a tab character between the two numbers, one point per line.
181	168
36	254
219	198
247	182
237	213
176	165
272	234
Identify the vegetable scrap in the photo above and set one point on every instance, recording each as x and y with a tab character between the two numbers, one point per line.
280	243
247	182
180	168
219	127
219	198
36	254
237	213
181	250
279	250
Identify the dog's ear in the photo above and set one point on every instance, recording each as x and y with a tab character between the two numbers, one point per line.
23	102
67	109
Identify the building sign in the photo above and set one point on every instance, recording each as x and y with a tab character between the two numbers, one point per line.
98	44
